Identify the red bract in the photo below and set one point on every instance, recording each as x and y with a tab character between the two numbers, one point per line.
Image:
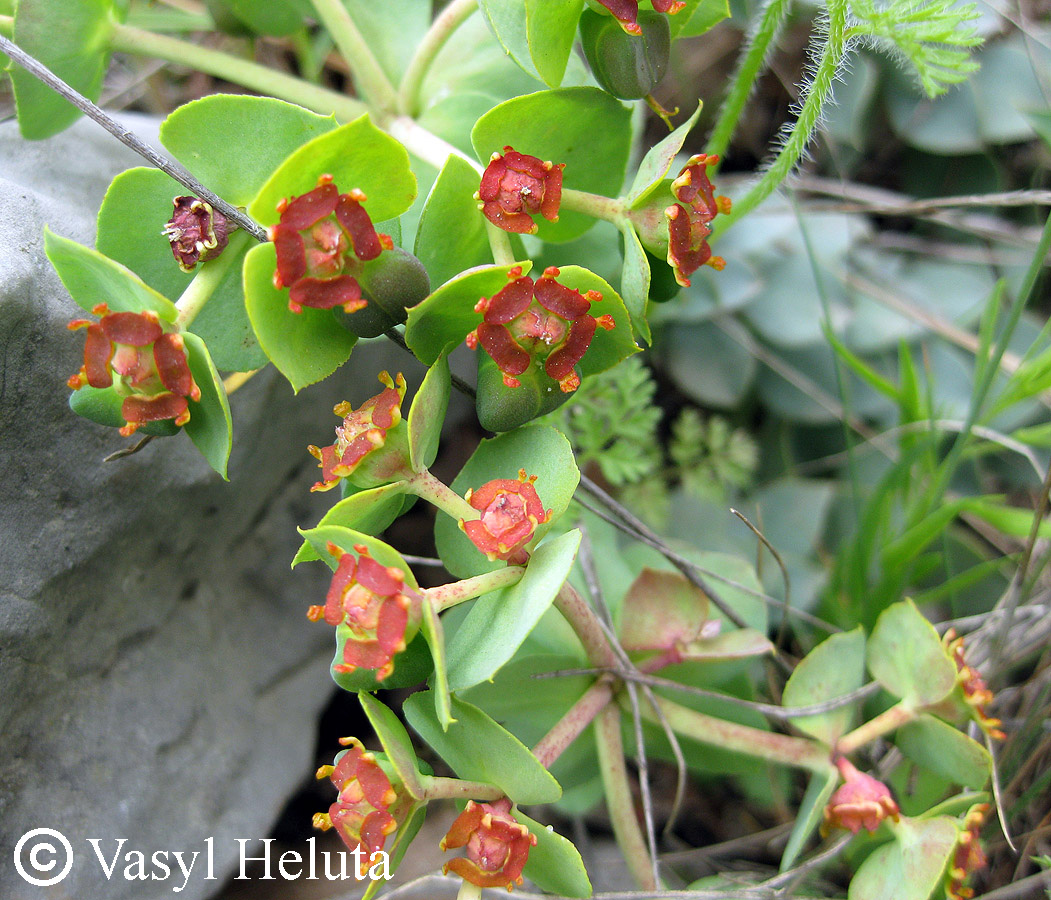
196	232
369	599
976	693
860	802
690	220
368	808
497	845
510	513
515	187
364	431
969	856
627	11
541	320
132	352
319	241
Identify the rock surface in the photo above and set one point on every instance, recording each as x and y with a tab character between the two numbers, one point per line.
158	679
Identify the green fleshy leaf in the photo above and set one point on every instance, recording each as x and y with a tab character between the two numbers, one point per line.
661	610
412	667
741	643
698	17
607	347
71	39
509	23
938	746
392	30
434	633
499	622
306	346
427	414
102	405
583	127
834	667
657	161
370	511
447	316
356	155
550	31
906	656
346	539
233	143
540	450
451	236
210	427
92	278
396	743
478	749
554	864
277	19
910	866
635	283
811	811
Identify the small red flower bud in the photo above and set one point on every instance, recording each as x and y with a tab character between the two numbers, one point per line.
497	845
515	187
197	232
860	802
689	220
627	11
976	693
510	513
132	353
369	599
969	856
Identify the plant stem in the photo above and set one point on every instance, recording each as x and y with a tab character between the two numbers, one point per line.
768	745
437	493
619	800
199	291
469	891
500	244
581	714
423	144
608	208
442	28
126	39
369	78
587	627
448	595
751	64
818	91
453	788
886	722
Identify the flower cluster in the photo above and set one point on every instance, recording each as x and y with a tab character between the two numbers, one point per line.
541	320
976	693
368	808
369	599
860	802
627	11
497	845
363	432
320	239
197	232
147	365
515	187
690	220
969	856
510	513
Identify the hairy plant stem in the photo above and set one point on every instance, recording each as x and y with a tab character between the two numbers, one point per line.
136	41
619	800
448	595
199	291
818	91
581	714
437	788
369	78
425	486
886	722
442	28
609	208
587	627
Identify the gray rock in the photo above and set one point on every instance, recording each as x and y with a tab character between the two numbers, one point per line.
158	678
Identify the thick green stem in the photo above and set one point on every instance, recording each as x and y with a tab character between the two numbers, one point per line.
442	28
500	244
608	208
585	624
199	291
619	799
454	789
747	73
448	595
369	78
423	144
886	722
572	724
469	891
426	486
819	90
768	745
126	39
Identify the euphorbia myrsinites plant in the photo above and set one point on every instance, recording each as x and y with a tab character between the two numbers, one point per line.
401	211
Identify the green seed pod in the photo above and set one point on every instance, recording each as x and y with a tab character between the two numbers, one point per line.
627	66
392	282
502	408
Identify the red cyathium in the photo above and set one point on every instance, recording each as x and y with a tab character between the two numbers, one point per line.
369	807
510	512
370	600
319	241
197	232
515	187
690	220
860	802
627	11
969	856
537	320
363	432
147	365
497	845
976	693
